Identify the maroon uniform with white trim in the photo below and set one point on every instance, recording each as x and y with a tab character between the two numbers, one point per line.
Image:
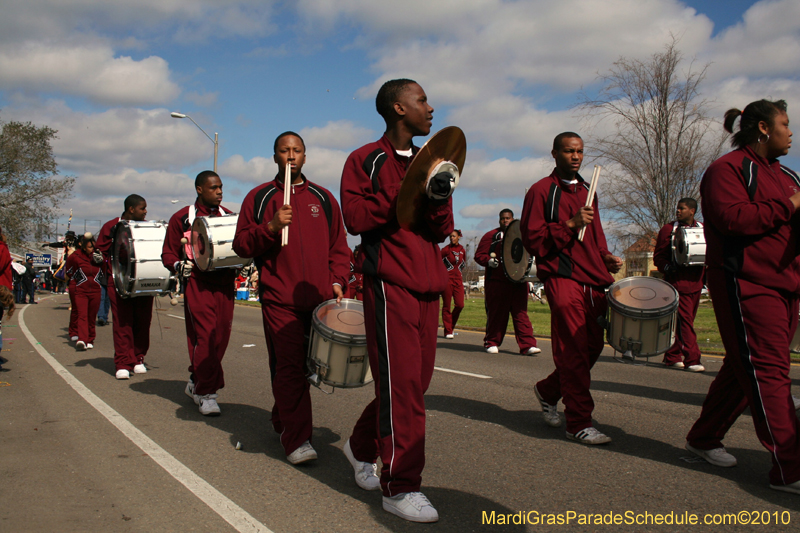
131	323
403	277
751	231
86	277
454	259
293	280
575	277
207	305
688	281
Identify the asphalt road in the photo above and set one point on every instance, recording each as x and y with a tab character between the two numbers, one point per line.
70	459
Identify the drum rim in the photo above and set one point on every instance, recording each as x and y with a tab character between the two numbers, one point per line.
333	335
123	287
635	312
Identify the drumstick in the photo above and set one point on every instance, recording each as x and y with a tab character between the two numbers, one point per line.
287	199
590	197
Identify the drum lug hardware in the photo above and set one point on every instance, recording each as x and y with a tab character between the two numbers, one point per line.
315	380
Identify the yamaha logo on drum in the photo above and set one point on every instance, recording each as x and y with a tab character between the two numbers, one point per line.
151	284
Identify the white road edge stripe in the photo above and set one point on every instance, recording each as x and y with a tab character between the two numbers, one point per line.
176	316
240	519
462	373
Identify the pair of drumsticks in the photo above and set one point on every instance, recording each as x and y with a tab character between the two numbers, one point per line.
590	197
287	199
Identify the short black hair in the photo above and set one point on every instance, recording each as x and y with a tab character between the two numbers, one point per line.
134	200
388	94
202	178
691	203
506	210
286	134
566	135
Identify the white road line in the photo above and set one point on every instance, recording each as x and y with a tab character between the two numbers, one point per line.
240	519
176	316
462	373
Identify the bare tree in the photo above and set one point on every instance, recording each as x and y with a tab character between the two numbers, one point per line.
662	141
30	188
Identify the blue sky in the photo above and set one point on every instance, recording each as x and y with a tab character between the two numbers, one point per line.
107	74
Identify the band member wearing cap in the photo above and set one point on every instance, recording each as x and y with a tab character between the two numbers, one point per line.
403	278
131	326
293	280
208	298
85	272
454	258
750	204
355	285
575	275
688	281
503	296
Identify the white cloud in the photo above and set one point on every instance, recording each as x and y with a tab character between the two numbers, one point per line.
256	170
485	210
503	178
341	134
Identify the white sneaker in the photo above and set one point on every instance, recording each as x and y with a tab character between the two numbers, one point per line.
140	369
717	456
123	374
89	346
533	350
80	346
679	364
449	336
412	506
73	338
490	349
796	401
549	411
303	454
791	487
208	405
696	368
189	390
589	435
366	473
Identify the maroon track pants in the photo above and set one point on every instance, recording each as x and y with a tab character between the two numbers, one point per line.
73	314
131	328
756	324
454	292
401	339
685	348
504	298
577	340
86	305
287	330
209	316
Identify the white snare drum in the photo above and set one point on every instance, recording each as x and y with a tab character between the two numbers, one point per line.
337	353
689	247
212	243
136	259
642	316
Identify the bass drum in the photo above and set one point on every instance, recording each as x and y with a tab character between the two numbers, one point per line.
212	243
518	264
642	314
337	354
136	259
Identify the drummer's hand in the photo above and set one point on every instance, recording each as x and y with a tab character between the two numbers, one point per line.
582	218
613	263
337	291
282	218
795	199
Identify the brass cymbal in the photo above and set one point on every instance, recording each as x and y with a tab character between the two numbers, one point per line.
448	144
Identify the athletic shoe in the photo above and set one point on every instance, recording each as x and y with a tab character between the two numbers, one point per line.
366	473
589	435
123	374
549	411
140	369
449	336
73	338
533	350
796	401
101	322
189	390
490	349
208	405
89	346
679	364
791	487
412	506
80	346
303	454
717	456
696	368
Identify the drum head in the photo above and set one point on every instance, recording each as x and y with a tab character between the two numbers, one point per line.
517	261
122	261
343	321
641	296
201	245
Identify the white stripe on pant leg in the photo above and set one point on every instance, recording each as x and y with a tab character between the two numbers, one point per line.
389	373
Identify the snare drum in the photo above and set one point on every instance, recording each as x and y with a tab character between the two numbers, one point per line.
212	243
642	316
689	247
136	259
337	353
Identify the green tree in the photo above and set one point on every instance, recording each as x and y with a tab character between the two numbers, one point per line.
31	189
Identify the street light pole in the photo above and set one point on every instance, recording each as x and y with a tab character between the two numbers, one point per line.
215	140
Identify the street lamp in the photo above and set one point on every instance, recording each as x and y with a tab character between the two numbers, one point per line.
215	140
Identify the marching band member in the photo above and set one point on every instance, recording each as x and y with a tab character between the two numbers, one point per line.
403	278
503	296
575	275
208	298
131	325
293	280
749	203
84	271
454	258
688	281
